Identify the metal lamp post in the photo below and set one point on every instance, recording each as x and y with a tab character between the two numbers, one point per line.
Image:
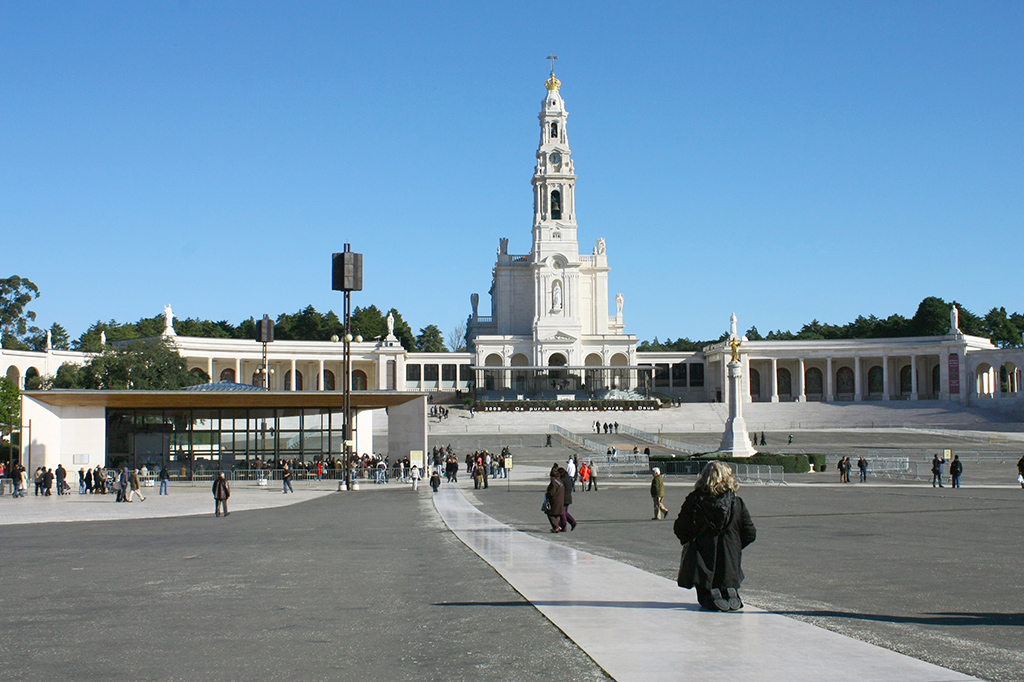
347	276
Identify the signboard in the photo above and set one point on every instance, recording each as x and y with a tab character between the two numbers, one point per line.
508	461
954	374
416	459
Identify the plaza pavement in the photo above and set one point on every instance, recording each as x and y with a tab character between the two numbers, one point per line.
373	577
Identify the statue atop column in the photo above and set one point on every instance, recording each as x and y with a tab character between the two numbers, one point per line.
391	325
954	320
600	246
49	340
168	321
619	300
732	327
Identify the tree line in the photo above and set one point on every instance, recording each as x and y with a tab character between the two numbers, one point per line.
308	324
931	319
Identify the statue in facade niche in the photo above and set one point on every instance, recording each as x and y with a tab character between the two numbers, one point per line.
556	295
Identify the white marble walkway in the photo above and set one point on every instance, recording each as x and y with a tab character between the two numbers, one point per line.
641	627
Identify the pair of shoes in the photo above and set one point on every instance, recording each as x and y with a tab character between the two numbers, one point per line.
574	526
226	513
217	514
733	595
556	530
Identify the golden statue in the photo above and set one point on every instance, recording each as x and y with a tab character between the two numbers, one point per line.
734	343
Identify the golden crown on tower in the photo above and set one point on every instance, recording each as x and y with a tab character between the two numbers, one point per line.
553	83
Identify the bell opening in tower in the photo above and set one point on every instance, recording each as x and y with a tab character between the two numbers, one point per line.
554	130
556	205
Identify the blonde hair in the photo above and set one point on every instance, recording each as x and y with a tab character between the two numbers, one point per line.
716	478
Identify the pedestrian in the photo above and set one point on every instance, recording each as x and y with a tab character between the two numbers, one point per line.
762	438
1020	471
414	474
956	468
435	480
570	467
567	485
790	439
286	480
592	483
658	494
221	493
62	480
862	464
133	486
584	476
554	501
714	526
165	479
937	463
478	475
81	481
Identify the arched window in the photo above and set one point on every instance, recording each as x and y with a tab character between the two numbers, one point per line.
844	381
556	205
288	380
755	383
358	380
328	380
876	385
813	381
906	383
554	130
785	380
228	375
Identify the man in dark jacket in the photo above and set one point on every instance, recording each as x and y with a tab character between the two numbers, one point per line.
937	463
221	493
714	526
956	468
554	501
566	480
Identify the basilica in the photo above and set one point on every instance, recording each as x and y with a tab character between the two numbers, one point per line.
552	331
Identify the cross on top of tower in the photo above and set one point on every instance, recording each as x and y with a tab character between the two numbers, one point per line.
552	83
552	57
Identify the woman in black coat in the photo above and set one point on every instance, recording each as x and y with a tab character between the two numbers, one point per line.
714	526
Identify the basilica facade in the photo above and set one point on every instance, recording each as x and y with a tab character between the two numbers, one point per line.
552	331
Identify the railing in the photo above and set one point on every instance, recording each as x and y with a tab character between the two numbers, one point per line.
759	474
618	463
6	486
663	441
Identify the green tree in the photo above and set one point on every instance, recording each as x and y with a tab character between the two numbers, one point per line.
368	323
10	404
69	375
204	328
1001	330
931	318
431	340
144	364
15	294
754	335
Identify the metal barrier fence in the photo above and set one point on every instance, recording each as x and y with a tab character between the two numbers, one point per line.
6	486
758	474
663	441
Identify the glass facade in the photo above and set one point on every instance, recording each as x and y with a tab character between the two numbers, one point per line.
205	439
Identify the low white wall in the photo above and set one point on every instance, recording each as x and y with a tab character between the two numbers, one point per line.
54	435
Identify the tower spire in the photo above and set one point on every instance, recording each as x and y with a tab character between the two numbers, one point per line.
552	83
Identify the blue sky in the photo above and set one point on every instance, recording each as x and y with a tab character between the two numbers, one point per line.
786	161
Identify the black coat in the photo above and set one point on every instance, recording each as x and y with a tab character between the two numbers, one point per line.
713	532
567	485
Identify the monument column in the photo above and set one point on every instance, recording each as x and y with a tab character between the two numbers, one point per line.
735	440
885	377
913	377
857	395
801	396
775	380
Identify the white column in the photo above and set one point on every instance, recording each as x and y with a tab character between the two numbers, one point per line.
857	395
294	382
238	371
209	369
323	384
885	377
775	380
829	396
725	381
913	377
801	396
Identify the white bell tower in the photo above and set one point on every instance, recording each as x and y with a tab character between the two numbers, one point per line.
555	251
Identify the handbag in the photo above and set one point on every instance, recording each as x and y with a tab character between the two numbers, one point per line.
545	506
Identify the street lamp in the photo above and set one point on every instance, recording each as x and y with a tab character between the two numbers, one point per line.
347	276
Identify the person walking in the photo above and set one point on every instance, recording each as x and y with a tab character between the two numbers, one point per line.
221	493
658	494
566	480
414	474
1020	471
714	526
862	464
554	501
165	480
937	463
956	468
592	479
435	480
286	480
133	486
